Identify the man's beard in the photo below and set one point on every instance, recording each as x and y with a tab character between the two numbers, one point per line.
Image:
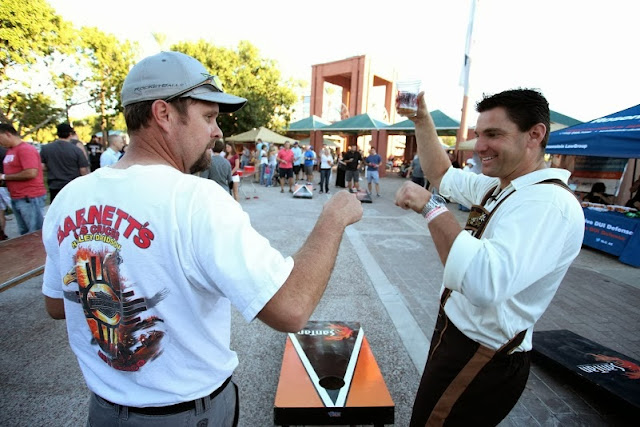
203	163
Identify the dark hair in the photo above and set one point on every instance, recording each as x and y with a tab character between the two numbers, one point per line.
525	107
64	130
598	187
6	127
218	146
233	148
137	115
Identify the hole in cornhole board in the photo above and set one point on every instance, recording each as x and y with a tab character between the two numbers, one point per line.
332	383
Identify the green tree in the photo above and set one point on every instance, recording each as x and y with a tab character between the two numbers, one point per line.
29	30
29	112
110	61
244	73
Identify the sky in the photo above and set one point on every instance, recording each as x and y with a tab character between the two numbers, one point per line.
581	54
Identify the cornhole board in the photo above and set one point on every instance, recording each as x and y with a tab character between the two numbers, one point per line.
303	191
606	369
21	258
329	376
364	197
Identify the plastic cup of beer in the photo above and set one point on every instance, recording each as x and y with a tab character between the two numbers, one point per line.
407	99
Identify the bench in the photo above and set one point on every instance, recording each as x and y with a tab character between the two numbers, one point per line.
21	258
329	376
607	370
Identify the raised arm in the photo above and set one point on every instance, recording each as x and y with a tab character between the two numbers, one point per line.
433	159
290	308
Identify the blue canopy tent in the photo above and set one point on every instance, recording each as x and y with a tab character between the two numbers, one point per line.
616	135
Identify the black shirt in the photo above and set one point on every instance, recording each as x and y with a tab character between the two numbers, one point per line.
95	149
352	166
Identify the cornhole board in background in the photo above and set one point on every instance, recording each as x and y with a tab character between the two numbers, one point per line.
329	376
364	197
21	258
606	369
303	191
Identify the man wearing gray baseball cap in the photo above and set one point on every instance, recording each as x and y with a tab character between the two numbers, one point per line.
145	259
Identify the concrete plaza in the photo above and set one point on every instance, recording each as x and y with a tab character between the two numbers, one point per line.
387	277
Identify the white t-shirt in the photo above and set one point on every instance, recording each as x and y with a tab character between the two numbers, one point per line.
157	258
506	279
325	161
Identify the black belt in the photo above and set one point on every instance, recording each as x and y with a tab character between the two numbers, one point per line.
173	409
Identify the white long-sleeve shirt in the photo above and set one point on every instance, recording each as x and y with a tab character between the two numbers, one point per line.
505	280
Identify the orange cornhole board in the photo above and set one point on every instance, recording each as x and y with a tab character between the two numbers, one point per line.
330	377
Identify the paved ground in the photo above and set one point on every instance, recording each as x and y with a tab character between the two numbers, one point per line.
387	277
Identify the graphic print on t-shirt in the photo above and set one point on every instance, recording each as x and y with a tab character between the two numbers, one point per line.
127	340
113	308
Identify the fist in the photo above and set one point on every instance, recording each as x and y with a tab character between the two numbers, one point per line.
345	207
412	196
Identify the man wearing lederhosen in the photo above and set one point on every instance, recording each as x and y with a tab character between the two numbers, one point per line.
500	273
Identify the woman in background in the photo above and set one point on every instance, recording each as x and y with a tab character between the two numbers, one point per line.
326	163
234	161
272	162
634	201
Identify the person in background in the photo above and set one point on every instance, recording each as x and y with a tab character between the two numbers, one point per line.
234	160
95	150
272	165
352	159
145	271
5	198
24	179
415	172
500	272
309	162
326	163
373	162
285	170
245	158
220	169
112	154
76	140
634	201
63	160
263	161
340	170
297	159
598	195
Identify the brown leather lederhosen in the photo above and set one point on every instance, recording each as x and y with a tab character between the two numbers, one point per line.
476	224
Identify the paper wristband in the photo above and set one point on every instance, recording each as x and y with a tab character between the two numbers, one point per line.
434	213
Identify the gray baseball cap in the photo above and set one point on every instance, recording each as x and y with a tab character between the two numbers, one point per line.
169	75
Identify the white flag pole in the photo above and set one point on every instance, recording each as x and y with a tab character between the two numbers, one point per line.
464	77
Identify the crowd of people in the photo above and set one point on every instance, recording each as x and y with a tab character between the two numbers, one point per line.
22	168
289	163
